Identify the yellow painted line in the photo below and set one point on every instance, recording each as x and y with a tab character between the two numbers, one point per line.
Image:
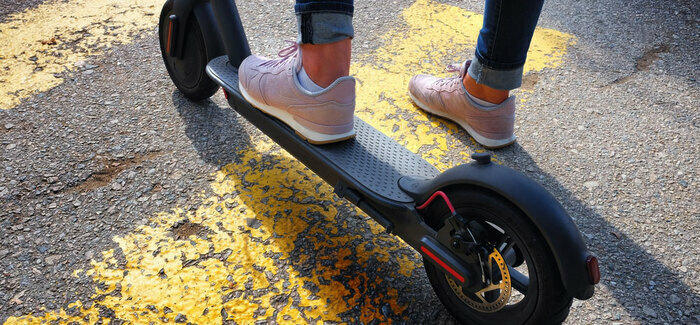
437	35
157	283
41	43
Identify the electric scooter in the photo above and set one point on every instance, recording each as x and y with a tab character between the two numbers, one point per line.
497	247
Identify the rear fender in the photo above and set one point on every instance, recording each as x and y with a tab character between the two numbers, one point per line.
555	225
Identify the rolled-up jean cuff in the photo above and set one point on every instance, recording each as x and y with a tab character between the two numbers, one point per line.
315	6
496	79
324	27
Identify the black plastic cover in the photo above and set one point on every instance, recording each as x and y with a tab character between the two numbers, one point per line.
555	225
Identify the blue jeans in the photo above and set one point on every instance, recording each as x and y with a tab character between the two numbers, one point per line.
501	48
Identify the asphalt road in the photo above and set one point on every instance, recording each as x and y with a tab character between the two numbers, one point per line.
121	201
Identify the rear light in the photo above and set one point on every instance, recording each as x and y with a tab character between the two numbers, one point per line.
226	95
593	270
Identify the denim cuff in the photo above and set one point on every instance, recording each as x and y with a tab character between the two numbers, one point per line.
327	6
496	79
324	27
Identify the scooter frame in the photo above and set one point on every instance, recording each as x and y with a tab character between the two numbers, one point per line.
226	43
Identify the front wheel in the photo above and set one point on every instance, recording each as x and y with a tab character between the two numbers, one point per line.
188	72
518	279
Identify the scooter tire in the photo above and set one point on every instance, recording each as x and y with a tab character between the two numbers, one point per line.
545	302
188	73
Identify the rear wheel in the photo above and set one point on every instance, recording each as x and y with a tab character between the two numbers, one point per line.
188	72
520	282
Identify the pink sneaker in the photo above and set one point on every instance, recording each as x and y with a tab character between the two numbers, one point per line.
492	127
273	87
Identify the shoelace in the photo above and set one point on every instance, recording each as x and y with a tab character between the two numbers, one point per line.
453	68
452	80
285	54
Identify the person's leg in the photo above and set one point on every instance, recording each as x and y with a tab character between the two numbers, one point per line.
501	48
308	89
478	99
324	63
325	30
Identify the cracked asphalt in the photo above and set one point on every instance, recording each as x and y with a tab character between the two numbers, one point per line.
123	202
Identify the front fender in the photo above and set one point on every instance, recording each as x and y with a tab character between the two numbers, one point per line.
555	225
202	11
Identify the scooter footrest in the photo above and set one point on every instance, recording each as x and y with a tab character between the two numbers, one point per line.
370	161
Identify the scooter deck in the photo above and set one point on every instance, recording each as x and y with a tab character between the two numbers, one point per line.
371	163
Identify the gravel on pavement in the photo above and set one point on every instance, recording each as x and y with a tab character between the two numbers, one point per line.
120	200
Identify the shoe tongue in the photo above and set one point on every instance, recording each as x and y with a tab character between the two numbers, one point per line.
465	67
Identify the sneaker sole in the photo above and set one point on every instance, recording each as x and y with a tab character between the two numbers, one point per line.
305	133
484	141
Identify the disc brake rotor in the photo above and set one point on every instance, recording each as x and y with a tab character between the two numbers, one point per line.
481	303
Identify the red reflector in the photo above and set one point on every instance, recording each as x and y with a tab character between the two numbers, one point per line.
441	263
226	95
593	270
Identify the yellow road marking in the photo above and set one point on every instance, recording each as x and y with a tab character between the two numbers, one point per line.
51	38
437	35
254	272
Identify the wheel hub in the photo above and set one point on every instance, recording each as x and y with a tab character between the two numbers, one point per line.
496	292
489	290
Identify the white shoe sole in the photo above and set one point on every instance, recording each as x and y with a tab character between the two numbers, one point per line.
484	141
307	134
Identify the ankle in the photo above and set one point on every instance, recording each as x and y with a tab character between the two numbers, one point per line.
324	63
483	92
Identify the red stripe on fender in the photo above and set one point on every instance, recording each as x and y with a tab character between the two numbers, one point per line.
441	263
170	32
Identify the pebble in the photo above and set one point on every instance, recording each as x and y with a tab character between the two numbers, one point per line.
253	223
591	184
674	299
386	311
9	126
180	318
52	259
649	311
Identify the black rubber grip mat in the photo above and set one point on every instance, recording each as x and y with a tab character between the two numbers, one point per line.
371	158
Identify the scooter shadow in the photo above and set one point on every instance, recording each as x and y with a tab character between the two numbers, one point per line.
216	133
317	250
